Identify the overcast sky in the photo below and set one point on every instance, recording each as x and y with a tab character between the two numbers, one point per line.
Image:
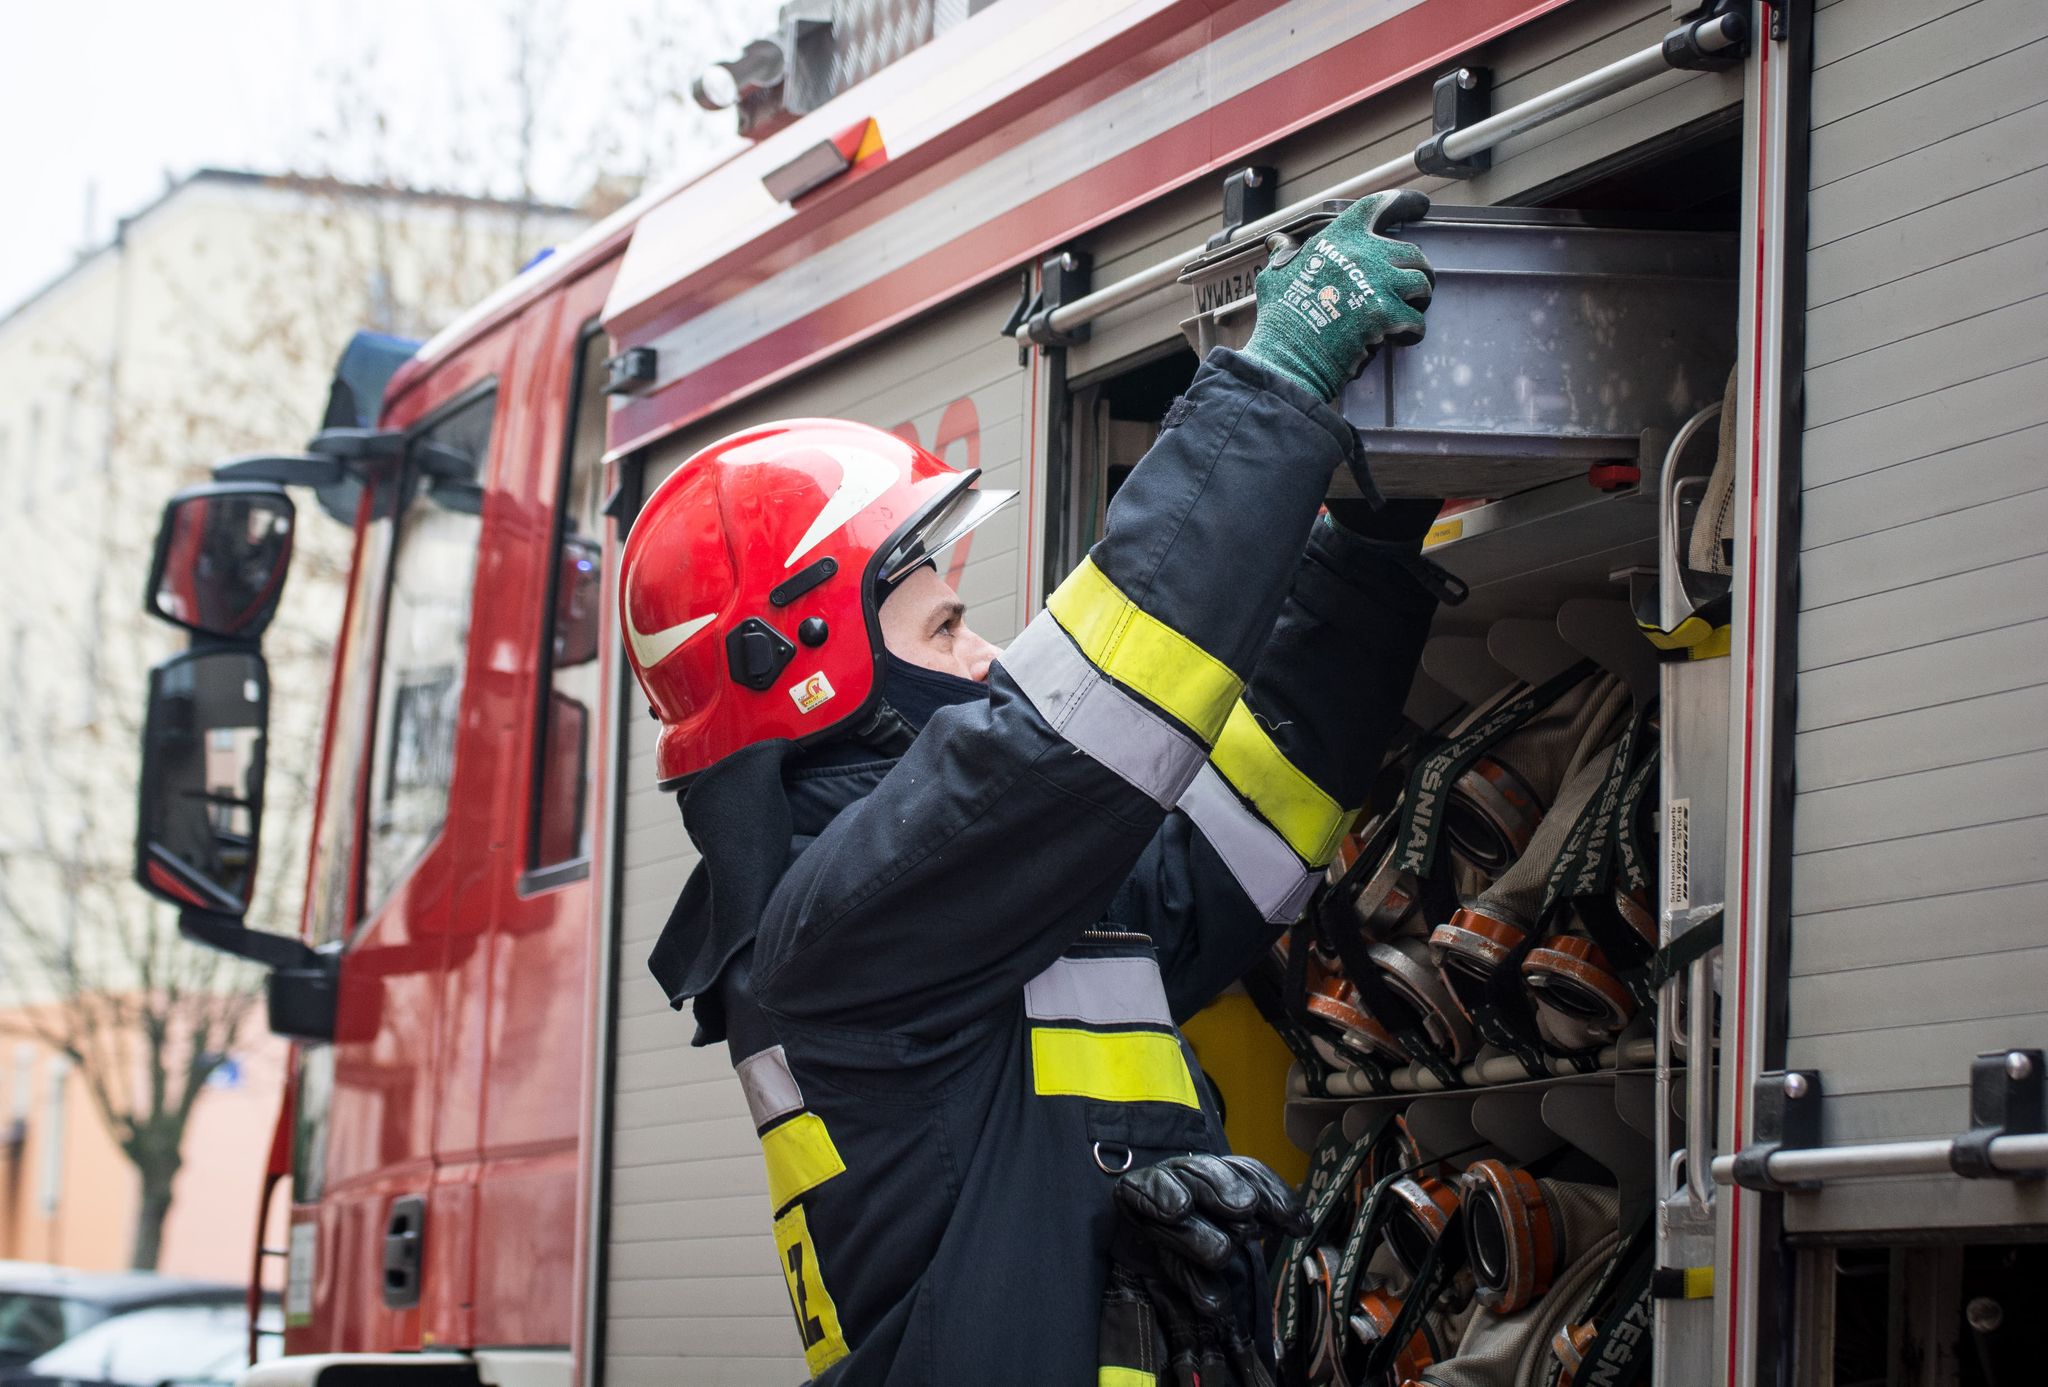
101	102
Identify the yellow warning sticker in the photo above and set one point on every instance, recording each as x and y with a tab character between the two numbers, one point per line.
1443	532
817	1318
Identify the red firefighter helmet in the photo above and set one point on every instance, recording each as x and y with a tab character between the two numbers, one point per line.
753	578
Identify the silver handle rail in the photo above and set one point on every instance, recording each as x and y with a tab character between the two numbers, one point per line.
2021	1155
1708	36
2007	1137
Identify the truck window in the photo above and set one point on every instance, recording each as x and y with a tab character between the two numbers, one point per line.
334	842
426	641
560	834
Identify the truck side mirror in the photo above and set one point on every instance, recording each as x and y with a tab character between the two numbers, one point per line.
200	813
222	551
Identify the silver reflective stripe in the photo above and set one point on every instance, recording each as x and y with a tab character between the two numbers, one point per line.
771	1088
1265	867
1107	991
1095	715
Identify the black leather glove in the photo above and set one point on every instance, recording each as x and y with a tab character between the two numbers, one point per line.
1197	1211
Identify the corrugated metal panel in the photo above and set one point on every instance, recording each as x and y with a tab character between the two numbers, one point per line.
1525	62
692	1290
1919	878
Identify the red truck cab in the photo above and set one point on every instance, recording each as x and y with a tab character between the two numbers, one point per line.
435	1129
436	1170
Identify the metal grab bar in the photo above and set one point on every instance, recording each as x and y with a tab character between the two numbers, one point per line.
2015	1155
1672	603
1715	35
1699	1079
1697	979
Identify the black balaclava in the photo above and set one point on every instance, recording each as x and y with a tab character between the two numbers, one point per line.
912	690
917	692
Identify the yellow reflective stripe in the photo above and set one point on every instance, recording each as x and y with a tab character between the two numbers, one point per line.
1312	823
1125	1377
1115	1066
817	1318
801	1157
1141	652
1699	1283
1713	647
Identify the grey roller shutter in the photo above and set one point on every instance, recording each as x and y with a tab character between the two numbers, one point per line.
691	1289
1919	873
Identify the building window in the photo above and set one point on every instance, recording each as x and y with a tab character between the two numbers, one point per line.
426	643
569	669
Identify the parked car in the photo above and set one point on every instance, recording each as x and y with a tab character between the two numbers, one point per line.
198	1342
44	1306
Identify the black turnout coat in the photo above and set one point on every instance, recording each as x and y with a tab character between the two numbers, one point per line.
951	981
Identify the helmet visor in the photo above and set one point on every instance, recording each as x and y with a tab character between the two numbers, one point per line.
947	522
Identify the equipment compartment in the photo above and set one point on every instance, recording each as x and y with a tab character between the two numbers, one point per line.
1583	477
1556	337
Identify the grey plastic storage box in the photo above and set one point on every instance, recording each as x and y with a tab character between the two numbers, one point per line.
1556	338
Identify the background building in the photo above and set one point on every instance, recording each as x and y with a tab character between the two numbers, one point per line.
206	327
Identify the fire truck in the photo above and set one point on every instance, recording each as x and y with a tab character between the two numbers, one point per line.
1735	369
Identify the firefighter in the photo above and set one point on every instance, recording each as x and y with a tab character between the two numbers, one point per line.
953	902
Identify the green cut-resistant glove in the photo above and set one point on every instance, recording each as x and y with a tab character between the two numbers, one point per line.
1324	310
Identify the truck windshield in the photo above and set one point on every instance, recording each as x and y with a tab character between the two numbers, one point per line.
426	644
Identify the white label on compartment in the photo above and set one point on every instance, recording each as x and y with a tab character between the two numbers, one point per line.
298	1273
1677	825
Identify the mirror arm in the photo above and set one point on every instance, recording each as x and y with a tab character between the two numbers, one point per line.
330	459
231	936
282	470
366	446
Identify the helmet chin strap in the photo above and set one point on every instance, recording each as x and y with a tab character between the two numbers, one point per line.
885	731
889	730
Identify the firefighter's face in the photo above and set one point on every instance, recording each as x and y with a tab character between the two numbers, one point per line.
925	622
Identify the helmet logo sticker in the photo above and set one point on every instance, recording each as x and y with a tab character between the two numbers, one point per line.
863	477
651	648
815	692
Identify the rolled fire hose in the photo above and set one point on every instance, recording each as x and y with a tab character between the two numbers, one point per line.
1532	761
1373	1319
1421	1208
1378	934
1520	1232
1580	979
1512	1350
1604	1325
1486	934
1397	1150
1581	1002
1319	1270
1313	1289
1407	968
1495	807
1344	1034
1380	894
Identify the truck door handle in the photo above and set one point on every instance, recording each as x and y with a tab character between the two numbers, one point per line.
404	1232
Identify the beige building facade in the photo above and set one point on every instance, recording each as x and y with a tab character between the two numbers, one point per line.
207	327
68	1196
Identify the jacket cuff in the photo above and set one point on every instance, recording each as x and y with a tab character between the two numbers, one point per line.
1264	378
1346	549
1346	577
